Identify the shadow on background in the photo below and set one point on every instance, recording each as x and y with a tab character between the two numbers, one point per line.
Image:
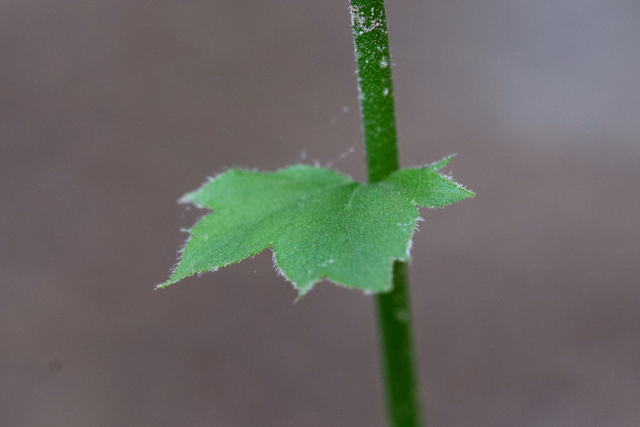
526	298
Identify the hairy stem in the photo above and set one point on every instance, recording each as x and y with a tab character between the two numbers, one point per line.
369	25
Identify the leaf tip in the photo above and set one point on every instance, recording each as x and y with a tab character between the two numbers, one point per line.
163	285
439	164
301	293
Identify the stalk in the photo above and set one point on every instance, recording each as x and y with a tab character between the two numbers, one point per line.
396	346
375	88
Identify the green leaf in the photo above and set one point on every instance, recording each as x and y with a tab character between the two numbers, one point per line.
319	224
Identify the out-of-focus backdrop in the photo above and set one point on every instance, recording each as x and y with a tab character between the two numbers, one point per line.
526	298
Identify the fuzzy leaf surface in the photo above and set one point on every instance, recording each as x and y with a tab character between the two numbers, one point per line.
319	223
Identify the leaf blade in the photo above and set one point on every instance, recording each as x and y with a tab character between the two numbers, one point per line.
318	223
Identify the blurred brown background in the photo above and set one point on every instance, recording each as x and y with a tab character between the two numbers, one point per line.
526	298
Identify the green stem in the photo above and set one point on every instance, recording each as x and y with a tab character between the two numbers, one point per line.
396	344
369	25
